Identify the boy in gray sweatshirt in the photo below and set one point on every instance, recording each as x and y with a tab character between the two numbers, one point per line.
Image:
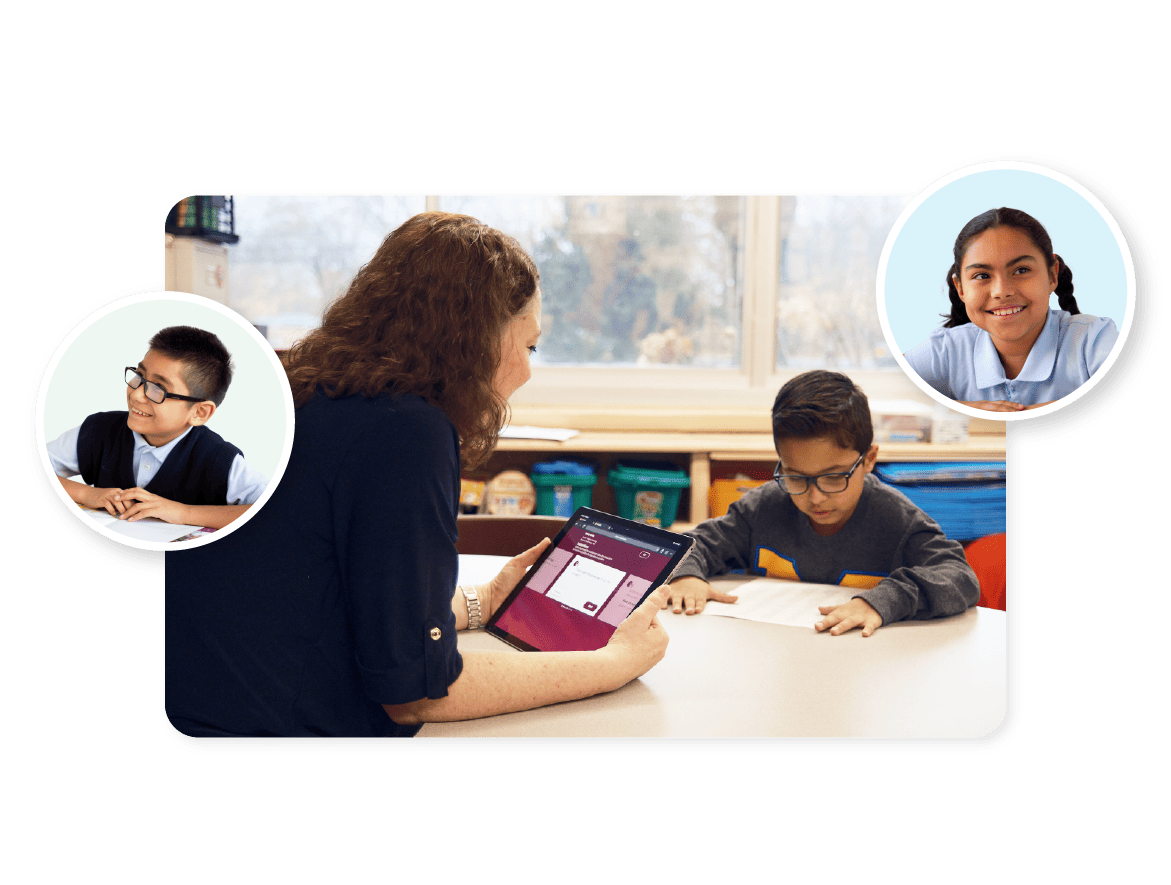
826	520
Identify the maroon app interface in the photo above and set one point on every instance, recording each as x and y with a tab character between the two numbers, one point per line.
586	588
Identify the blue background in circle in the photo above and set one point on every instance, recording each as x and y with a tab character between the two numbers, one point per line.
914	284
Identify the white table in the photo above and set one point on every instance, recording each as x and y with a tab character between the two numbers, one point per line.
726	677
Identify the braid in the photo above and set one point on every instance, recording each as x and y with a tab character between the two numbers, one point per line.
959	313
1064	290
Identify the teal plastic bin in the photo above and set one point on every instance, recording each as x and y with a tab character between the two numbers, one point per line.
648	492
562	486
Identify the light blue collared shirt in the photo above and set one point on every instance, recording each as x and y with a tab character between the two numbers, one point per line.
962	362
245	485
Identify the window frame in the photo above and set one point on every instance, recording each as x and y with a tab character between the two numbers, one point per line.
665	390
589	395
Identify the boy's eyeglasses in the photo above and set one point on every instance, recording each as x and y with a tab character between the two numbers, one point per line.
154	393
829	483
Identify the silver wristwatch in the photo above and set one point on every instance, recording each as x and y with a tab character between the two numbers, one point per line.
473	598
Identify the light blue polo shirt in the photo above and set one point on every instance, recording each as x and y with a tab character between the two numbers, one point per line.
962	362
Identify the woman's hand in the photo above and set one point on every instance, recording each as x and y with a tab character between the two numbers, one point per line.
640	641
505	582
997	405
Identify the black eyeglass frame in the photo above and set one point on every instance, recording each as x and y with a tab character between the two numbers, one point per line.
779	478
150	385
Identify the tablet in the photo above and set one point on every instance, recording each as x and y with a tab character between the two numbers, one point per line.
597	571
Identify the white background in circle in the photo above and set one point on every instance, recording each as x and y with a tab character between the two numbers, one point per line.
86	375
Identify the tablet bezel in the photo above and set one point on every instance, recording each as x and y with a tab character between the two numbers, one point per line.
643	530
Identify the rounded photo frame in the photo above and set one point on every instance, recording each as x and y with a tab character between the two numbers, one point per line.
90	374
912	271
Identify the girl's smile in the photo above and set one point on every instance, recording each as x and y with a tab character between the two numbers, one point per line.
1005	283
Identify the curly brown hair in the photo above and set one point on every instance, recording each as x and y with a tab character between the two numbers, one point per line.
425	316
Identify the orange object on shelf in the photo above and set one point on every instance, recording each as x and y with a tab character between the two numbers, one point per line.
471	494
723	492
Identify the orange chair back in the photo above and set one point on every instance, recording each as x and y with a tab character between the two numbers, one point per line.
988	559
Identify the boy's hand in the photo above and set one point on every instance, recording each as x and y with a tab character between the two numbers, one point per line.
150	504
691	595
112	500
855	613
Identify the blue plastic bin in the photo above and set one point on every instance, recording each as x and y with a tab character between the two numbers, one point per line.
967	498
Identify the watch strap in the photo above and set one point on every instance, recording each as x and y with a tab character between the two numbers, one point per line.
472	595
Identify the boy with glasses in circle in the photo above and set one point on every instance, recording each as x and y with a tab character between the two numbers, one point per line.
157	459
826	520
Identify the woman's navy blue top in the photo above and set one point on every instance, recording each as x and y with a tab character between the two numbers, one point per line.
335	598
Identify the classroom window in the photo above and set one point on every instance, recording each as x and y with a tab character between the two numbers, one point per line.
630	281
829	252
296	254
702	300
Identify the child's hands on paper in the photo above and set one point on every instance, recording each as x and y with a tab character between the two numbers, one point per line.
841	618
505	582
150	504
691	595
110	500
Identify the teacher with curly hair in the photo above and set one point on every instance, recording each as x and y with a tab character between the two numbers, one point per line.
334	610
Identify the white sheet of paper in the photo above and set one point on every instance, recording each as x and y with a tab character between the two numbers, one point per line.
792	603
148	529
479	568
526	431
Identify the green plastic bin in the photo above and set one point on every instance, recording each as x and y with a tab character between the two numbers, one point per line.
648	492
562	487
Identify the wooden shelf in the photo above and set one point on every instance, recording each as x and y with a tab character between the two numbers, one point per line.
695	452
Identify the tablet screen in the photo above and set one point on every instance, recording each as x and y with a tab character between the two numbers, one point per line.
597	571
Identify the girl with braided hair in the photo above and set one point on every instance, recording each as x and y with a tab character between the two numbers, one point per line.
1001	348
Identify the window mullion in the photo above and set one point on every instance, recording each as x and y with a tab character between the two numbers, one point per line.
761	241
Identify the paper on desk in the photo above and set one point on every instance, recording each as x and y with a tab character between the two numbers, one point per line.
148	529
792	603
525	431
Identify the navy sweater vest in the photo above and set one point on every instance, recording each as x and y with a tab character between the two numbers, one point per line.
195	472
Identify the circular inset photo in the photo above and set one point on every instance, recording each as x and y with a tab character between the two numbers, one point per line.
1005	291
165	421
